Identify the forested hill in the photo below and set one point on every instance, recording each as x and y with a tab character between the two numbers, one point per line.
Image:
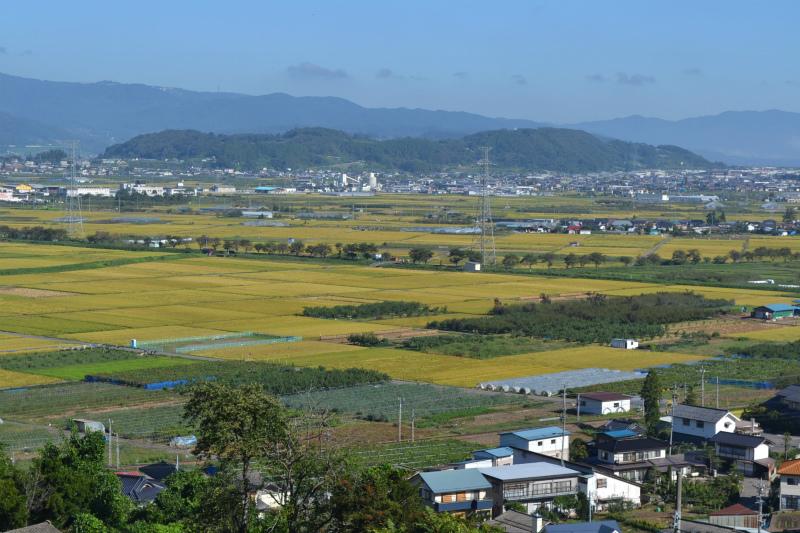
553	149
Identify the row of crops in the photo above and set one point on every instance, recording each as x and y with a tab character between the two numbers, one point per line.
381	402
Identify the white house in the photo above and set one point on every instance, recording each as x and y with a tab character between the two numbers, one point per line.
607	488
603	403
627	344
694	423
790	484
552	441
501	456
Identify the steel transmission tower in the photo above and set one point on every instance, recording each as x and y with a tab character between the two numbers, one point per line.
484	237
73	219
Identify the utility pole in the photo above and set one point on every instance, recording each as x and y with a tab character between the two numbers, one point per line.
400	422
413	420
717	401
117	450
563	422
676	524
672	415
110	449
578	407
703	385
760	502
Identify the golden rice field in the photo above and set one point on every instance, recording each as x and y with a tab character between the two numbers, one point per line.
787	333
11	380
706	247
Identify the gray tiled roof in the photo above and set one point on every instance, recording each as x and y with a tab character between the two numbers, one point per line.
44	527
694	412
735	439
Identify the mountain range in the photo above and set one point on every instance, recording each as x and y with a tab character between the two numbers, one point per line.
104	113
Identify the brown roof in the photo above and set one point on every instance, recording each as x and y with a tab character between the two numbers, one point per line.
605	396
790	467
737	509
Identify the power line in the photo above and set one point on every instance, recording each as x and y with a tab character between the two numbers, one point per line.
73	219
484	237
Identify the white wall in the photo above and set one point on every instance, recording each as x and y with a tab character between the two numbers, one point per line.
708	429
550	446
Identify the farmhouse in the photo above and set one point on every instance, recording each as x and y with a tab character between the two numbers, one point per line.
460	491
603	403
552	441
790	397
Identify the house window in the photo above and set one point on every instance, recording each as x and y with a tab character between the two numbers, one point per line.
540	443
604	455
790	502
616	404
701	424
602	483
791	481
686	422
514	490
553	441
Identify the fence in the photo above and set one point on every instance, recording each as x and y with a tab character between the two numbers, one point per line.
200	348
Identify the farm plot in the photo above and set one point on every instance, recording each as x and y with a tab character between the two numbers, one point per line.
295	326
464	372
11	344
379	402
785	333
57	403
273	353
707	247
79	372
536	242
12	380
122	337
26	439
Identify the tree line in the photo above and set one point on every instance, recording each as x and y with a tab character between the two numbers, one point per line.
595	319
373	310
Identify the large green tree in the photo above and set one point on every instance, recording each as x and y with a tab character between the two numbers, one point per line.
13	511
651	394
238	426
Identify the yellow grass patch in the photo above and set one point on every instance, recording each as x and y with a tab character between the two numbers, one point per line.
11	380
11	344
785	333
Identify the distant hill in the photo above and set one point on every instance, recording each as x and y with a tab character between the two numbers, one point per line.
103	113
559	150
770	138
21	131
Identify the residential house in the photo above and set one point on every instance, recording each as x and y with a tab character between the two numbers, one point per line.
533	485
551	441
500	456
602	486
603	403
692	423
516	522
789	473
455	491
626	453
747	454
616	425
159	471
43	527
790	397
139	489
604	526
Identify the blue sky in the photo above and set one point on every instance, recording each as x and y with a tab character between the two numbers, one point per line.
557	61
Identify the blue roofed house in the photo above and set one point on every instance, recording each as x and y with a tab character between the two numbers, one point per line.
500	456
552	441
456	491
604	526
533	485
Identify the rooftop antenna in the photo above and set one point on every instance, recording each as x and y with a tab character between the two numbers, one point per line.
484	237
72	219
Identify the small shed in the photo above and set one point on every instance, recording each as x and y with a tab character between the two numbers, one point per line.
626	344
603	403
471	266
735	516
84	426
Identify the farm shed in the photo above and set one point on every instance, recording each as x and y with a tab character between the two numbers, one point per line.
735	516
471	266
603	403
627	344
775	311
88	425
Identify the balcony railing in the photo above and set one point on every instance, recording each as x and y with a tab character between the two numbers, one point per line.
538	493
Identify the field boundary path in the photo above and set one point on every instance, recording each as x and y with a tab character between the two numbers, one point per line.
656	247
41	337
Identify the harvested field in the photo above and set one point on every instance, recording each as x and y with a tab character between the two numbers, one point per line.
33	293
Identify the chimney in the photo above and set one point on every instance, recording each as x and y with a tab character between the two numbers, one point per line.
538	523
